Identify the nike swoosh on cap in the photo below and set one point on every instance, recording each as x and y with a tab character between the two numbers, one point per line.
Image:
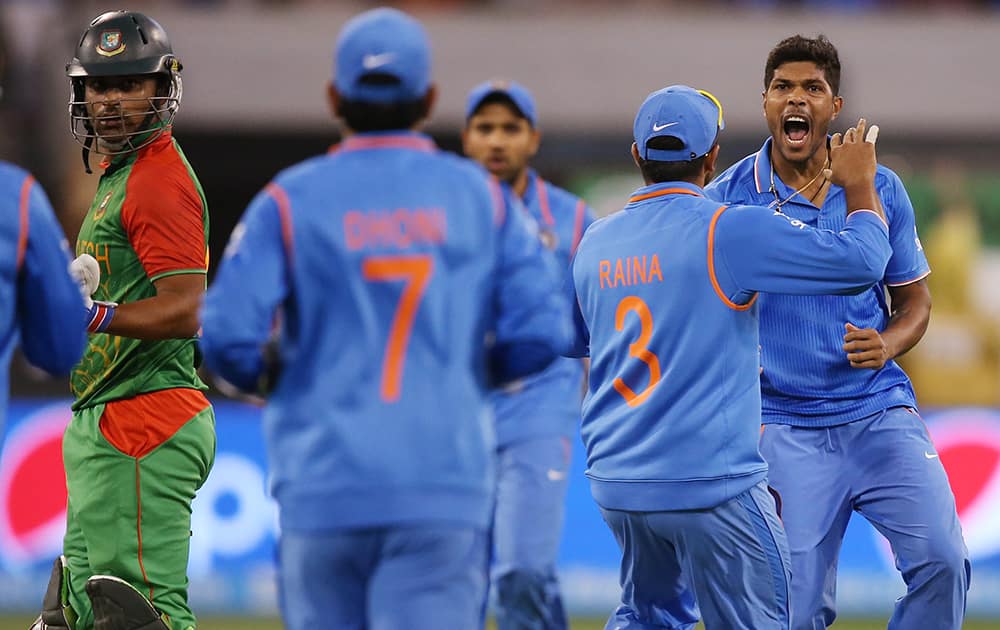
370	62
663	126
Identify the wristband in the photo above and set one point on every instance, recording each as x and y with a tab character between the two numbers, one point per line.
99	316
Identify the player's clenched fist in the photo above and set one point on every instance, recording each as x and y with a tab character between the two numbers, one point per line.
87	274
865	347
852	156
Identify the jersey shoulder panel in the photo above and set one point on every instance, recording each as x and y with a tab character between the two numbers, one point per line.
602	225
562	199
736	182
884	174
304	170
487	187
163	171
886	180
894	196
11	174
467	167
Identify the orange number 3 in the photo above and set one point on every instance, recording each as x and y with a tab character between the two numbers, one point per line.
638	349
415	271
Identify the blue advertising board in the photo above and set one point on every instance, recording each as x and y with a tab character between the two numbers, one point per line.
235	522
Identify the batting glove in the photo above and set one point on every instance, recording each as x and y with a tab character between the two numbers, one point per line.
87	274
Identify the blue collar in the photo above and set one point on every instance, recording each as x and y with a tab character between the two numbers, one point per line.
532	188
397	139
770	186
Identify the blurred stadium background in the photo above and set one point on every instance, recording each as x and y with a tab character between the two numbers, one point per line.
253	104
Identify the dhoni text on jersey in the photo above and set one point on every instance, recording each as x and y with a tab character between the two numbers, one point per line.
400	228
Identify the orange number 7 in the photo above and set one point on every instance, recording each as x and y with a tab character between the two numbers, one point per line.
638	349
415	271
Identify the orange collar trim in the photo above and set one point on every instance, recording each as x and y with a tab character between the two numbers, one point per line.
660	193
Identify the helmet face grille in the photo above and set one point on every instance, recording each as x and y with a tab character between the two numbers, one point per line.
158	117
119	44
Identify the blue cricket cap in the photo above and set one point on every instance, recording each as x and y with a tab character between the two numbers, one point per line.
517	93
692	116
383	56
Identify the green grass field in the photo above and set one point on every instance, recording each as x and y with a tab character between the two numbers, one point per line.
236	623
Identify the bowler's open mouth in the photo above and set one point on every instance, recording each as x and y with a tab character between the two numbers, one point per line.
796	129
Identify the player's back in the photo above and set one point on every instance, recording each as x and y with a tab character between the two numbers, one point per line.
394	247
671	418
13	240
40	304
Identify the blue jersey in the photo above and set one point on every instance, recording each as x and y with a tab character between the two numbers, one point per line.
39	301
666	294
547	403
807	378
392	263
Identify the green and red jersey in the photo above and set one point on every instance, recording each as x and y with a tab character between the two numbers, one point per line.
149	220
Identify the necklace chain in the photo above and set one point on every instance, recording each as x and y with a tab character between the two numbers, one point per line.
779	202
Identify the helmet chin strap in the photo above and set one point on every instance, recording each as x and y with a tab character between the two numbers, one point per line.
86	153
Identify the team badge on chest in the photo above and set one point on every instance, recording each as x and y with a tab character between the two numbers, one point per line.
101	209
549	239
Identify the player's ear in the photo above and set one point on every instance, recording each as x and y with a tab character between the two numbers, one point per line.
333	99
635	154
838	102
711	159
429	100
536	140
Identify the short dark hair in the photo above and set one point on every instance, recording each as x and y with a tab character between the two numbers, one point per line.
366	116
820	51
502	99
656	172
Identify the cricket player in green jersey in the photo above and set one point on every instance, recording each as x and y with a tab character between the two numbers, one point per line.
142	438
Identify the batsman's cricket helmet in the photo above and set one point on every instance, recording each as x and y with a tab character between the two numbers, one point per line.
124	43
